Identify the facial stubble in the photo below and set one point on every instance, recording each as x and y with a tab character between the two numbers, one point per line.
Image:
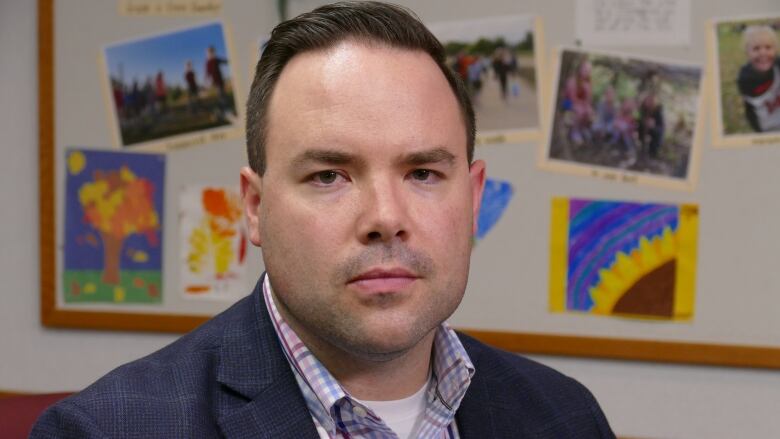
334	320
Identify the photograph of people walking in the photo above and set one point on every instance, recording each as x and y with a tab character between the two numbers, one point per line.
495	57
171	84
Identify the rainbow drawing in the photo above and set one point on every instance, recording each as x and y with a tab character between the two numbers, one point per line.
623	258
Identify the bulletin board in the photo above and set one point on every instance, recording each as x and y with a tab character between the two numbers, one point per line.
141	138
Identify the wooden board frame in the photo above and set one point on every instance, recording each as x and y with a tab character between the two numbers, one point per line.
529	343
51	314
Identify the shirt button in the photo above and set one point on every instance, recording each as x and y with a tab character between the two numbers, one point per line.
360	412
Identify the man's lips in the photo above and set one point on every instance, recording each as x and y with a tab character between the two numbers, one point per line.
383	280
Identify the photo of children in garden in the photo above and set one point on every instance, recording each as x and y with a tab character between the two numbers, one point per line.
171	84
495	58
625	113
748	73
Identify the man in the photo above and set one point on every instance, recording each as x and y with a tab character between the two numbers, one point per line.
362	194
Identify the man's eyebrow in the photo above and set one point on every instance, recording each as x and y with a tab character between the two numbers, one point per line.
325	156
435	155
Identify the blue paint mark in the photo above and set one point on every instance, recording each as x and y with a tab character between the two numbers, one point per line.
495	199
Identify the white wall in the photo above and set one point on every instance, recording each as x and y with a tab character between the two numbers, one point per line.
640	399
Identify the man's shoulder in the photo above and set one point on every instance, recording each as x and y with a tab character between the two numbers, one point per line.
509	368
531	396
193	353
179	380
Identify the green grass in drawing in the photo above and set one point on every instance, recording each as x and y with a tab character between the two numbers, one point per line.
135	286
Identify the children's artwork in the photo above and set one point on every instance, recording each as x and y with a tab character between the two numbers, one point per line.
623	118
173	89
497	58
113	227
745	56
623	259
495	199
213	243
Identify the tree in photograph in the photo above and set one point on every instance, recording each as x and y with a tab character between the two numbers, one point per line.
118	204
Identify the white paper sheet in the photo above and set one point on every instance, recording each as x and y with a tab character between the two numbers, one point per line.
633	22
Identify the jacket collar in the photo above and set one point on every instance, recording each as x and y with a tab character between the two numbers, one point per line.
475	415
260	397
259	394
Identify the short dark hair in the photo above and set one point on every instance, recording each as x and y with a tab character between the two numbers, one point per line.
326	26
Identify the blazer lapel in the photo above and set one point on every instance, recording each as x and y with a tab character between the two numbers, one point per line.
259	396
474	416
272	414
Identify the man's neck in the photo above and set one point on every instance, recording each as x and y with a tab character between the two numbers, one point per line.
385	380
371	379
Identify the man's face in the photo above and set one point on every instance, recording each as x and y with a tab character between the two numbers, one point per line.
366	209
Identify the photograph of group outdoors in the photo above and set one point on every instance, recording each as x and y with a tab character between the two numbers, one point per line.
748	69
495	58
171	84
624	113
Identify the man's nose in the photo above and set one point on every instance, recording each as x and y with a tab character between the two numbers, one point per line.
383	213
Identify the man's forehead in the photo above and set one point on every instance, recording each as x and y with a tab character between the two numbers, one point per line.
369	79
357	54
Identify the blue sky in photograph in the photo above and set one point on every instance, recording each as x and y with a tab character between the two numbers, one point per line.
168	52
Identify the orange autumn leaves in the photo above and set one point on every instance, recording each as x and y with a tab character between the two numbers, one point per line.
118	204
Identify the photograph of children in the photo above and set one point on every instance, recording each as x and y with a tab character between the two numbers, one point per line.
172	84
617	114
747	62
497	59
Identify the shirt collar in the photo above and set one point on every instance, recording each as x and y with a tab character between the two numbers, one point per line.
452	372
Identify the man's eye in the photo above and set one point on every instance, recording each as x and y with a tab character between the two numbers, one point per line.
326	177
421	174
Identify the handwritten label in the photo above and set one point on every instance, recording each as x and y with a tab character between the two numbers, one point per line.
768	140
486	140
198	139
627	178
614	176
183	143
633	22
145	8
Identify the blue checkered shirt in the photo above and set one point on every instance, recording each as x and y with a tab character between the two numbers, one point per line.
334	411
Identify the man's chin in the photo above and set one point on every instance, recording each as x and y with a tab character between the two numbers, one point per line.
386	344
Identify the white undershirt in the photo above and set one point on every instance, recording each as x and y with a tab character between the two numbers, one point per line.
403	416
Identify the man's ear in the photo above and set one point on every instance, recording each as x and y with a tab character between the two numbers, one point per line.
251	194
477	179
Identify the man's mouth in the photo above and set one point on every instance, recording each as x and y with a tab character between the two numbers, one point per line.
383	280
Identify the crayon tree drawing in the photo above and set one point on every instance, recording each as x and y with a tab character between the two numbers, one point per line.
113	227
622	258
213	243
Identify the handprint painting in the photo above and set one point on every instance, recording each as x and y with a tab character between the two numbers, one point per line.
623	258
113	227
213	243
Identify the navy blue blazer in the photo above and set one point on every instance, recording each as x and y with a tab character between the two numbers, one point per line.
229	378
